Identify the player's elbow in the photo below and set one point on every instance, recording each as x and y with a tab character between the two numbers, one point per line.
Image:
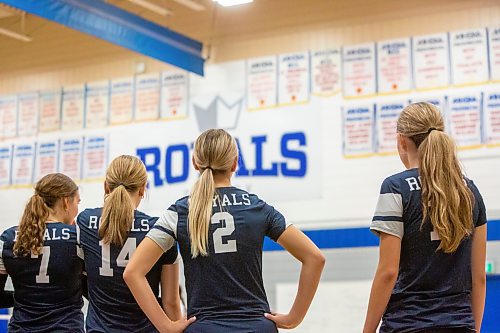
316	259
389	275
479	279
130	275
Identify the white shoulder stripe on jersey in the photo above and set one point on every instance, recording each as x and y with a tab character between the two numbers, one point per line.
2	266
395	228
164	240
169	221
389	204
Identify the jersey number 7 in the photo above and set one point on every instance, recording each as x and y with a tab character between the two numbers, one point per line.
42	276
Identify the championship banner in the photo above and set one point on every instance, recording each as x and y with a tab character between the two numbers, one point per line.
95	157
147	96
122	101
5	165
22	164
394	66
494	46
97	104
293	80
174	95
431	65
46	158
326	72
70	157
28	114
464	119
469	57
387	115
358	126
491	117
8	116
73	108
358	67
262	82
50	111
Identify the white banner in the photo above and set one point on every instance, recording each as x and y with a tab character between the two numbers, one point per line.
97	104
359	70
22	164
122	101
491	117
386	120
326	72
8	116
394	66
28	114
293	81
174	95
5	165
50	111
465	119
95	157
73	108
147	96
358	128
46	158
262	83
70	157
494	45
469	57
431	65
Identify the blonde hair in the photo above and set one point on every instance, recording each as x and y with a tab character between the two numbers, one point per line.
126	174
446	199
48	190
214	151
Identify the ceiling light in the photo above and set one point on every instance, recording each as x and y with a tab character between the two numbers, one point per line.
191	4
227	3
15	35
152	7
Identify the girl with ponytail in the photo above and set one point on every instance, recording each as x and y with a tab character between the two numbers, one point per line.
109	237
432	226
220	230
43	259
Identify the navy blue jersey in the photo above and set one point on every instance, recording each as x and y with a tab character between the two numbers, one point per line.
227	284
112	307
48	287
433	288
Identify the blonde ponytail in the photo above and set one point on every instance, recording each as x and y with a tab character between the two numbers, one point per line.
215	152
447	202
31	230
126	174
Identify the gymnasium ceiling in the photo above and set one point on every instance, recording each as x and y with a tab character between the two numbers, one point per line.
55	45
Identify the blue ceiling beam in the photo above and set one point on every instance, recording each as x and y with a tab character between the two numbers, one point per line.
117	26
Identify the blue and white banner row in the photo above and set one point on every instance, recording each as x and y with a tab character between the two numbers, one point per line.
472	119
78	157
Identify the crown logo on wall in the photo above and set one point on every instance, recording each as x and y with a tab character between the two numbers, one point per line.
218	114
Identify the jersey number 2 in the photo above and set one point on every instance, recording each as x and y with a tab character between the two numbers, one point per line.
122	259
42	276
227	229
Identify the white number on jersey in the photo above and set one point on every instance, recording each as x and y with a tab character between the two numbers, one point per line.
42	276
122	259
227	229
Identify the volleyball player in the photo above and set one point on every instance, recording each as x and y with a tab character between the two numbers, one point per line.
109	237
42	258
220	230
432	226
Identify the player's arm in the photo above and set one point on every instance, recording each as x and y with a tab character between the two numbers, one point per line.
384	281
170	298
6	296
478	274
313	261
146	255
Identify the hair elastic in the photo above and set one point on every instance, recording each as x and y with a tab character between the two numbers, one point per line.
431	129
